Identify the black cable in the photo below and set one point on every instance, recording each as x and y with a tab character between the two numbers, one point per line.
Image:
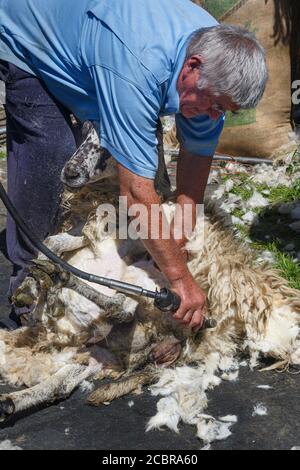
165	299
111	283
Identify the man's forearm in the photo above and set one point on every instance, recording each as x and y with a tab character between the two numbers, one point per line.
192	177
163	250
166	253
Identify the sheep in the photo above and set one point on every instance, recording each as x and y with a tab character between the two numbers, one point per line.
80	331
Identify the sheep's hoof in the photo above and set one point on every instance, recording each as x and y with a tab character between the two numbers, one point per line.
7	408
165	352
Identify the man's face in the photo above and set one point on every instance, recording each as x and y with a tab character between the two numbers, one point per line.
194	101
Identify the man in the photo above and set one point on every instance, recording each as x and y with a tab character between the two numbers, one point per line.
121	64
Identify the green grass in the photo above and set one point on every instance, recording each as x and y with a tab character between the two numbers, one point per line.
288	268
279	235
218	7
277	195
261	187
270	223
243	230
239	178
2	155
244	191
294	166
276	226
238	212
281	194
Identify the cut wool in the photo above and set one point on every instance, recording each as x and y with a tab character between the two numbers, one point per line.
260	410
218	193
231	376
86	386
206	447
214	177
249	217
209	429
186	389
80	334
244	364
231	203
228	364
229	419
265	387
266	256
236	220
229	186
167	415
257	200
7	445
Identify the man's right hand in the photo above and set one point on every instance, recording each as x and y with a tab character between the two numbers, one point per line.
193	302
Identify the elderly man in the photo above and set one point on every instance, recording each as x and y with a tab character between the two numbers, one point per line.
121	64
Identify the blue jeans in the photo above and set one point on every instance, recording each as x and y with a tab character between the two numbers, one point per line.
40	140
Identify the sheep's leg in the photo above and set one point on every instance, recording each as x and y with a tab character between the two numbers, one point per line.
109	304
63	243
119	388
116	308
58	386
119	308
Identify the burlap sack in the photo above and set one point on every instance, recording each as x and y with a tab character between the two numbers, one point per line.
258	132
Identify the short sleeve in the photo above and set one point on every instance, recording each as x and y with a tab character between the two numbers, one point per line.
127	122
199	135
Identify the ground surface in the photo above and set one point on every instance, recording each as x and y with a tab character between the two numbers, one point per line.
73	425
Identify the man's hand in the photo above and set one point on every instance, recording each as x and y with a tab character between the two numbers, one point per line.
193	302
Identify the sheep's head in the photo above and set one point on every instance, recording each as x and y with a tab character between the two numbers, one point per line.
90	163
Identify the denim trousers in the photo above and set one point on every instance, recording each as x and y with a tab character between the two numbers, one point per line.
40	140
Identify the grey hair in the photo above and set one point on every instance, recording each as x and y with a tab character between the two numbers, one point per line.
234	63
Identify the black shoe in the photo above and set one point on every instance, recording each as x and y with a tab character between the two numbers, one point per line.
12	322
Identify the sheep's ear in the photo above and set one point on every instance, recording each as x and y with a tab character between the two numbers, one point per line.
87	128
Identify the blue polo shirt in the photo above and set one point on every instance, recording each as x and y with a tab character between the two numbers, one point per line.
115	62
